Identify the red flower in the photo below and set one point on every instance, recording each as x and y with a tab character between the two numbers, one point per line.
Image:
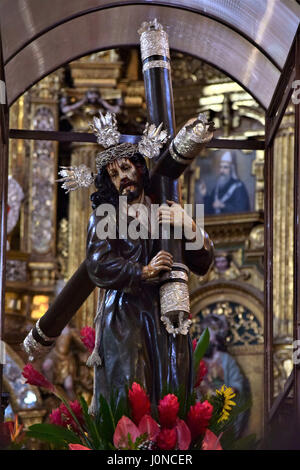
62	416
36	378
199	417
167	439
87	336
15	430
11	431
78	447
168	409
194	344
56	418
67	416
139	402
202	371
77	410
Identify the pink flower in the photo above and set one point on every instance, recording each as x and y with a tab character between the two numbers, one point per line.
211	441
78	447
139	402
149	426
125	426
168	409
36	378
183	435
194	344
87	336
199	417
167	439
202	371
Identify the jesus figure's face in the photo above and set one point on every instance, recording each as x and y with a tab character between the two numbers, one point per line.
126	178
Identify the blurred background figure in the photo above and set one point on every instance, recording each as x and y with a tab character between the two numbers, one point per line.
222	368
229	194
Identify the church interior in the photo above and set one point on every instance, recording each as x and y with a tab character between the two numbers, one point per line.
239	63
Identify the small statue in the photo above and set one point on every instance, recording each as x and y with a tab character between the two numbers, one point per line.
60	365
92	98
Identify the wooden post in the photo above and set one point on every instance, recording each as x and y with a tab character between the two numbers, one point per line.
3	205
297	236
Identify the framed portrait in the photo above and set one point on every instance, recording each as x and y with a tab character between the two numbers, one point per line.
225	182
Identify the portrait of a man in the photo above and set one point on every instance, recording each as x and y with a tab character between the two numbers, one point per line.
222	190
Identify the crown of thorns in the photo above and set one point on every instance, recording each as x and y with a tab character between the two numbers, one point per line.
108	136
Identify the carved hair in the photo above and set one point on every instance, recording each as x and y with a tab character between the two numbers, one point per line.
107	193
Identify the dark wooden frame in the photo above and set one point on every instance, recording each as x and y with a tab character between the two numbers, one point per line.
60	136
274	116
4	122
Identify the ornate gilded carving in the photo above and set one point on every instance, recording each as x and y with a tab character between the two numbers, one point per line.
46	90
63	248
258	172
232	228
244	326
42	185
42	273
256	238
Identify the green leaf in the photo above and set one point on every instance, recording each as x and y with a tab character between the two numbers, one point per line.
52	433
201	347
107	423
91	426
120	408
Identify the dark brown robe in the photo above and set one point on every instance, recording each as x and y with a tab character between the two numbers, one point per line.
135	345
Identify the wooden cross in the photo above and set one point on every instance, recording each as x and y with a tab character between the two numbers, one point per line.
164	175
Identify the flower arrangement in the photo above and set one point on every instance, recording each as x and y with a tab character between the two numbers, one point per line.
133	423
12	435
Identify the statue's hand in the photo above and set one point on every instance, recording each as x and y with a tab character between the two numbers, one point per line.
174	215
163	261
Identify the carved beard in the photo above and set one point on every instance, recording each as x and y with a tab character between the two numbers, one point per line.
132	195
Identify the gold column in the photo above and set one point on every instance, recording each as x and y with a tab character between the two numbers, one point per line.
283	256
80	209
41	215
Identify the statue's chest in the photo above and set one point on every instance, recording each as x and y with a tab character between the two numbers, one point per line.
138	251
